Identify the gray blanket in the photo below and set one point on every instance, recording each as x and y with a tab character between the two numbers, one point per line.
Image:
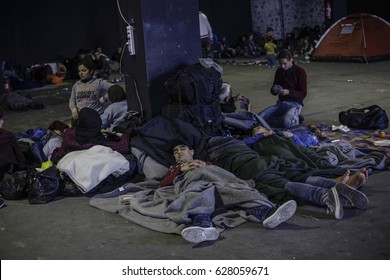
209	189
342	154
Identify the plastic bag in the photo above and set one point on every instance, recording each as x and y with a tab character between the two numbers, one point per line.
14	184
46	186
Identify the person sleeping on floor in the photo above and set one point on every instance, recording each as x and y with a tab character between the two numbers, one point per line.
282	169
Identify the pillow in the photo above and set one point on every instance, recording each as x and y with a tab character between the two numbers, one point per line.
148	166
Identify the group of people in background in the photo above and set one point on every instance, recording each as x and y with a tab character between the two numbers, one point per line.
103	64
300	42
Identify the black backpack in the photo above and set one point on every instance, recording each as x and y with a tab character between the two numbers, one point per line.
193	85
372	117
207	118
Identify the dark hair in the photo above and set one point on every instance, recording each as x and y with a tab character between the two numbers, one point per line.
269	29
176	142
88	63
88	127
284	54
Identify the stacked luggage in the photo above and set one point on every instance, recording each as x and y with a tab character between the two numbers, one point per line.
193	97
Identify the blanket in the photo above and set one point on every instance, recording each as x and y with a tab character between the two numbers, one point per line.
18	102
272	162
363	140
342	153
87	168
207	189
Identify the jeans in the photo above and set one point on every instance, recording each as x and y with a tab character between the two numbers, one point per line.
271	58
321	182
243	120
282	115
309	193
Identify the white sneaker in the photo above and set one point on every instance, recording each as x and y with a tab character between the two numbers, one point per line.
282	214
197	234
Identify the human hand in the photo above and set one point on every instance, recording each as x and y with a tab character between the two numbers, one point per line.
287	134
189	165
103	99
245	103
75	113
249	107
261	129
240	97
276	89
284	92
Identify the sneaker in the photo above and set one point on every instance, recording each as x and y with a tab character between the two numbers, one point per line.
197	234
351	197
331	199
280	215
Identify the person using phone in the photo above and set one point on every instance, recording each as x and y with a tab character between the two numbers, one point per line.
290	85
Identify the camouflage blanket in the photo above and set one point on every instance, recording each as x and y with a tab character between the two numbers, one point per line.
363	140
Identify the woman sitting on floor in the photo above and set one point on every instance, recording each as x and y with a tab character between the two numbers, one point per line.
86	134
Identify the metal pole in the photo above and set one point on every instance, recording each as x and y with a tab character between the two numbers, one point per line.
364	39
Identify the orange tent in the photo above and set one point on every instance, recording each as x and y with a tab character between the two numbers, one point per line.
357	37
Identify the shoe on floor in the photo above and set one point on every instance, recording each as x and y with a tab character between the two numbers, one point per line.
332	201
351	197
197	234
282	214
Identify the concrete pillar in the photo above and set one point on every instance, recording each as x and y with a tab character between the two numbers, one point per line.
166	38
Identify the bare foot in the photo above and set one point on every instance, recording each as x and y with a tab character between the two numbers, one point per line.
343	179
358	179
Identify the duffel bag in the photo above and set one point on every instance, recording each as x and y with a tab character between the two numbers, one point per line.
372	117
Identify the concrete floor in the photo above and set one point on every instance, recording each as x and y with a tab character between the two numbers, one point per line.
71	229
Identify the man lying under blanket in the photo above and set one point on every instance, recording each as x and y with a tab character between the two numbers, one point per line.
195	199
281	168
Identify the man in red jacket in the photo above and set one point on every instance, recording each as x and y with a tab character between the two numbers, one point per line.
202	228
290	84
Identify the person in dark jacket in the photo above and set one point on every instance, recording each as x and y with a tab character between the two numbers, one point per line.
290	85
86	134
